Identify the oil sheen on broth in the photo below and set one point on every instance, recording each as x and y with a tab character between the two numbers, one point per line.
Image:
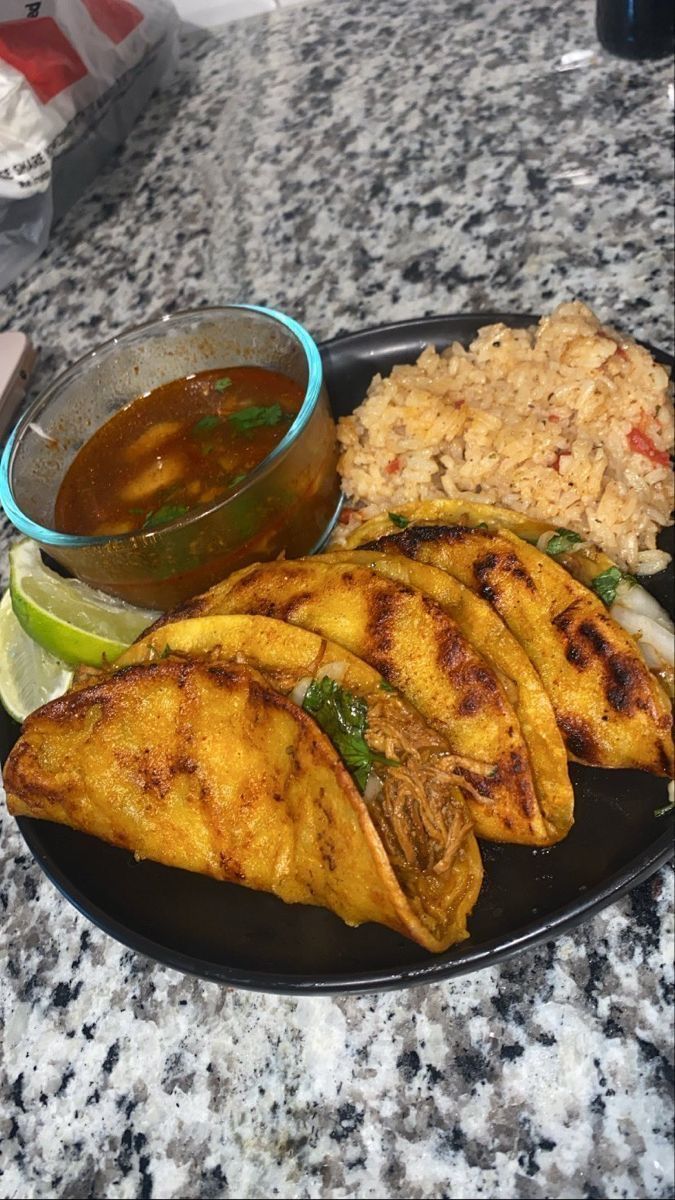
180	446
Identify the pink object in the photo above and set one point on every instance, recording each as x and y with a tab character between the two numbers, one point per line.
17	358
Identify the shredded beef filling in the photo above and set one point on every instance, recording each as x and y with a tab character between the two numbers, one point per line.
421	800
419	811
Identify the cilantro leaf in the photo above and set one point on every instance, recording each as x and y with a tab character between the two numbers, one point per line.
221	385
163	515
205	423
606	583
344	718
253	417
397	519
237	479
562	541
385	686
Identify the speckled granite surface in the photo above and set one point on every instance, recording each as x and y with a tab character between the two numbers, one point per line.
355	162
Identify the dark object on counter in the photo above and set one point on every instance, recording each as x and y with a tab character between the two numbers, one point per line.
635	29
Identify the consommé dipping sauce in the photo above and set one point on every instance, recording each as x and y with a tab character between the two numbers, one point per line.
181	446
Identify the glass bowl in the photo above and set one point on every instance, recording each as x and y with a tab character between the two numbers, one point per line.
287	505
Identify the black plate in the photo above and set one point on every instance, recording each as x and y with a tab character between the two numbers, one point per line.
248	939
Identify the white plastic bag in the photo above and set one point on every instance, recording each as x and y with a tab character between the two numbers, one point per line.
74	76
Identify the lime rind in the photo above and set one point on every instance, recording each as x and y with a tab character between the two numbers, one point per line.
29	675
67	618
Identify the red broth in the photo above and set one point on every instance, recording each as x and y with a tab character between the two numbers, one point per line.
181	446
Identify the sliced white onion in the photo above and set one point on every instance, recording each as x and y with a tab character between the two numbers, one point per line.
300	690
334	670
652	659
373	787
544	539
637	600
647	632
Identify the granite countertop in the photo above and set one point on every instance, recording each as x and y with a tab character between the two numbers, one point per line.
354	162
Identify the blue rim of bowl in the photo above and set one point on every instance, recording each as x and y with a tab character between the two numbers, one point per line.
51	537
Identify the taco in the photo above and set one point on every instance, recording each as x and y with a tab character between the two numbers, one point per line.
261	755
488	635
420	650
629	603
611	710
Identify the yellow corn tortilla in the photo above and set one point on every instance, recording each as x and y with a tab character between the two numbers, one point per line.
584	564
488	635
611	710
200	763
419	649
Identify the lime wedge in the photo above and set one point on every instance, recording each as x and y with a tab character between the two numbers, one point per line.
29	676
67	618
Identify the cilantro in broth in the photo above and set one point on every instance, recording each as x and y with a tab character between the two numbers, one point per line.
344	718
205	424
255	416
164	515
195	439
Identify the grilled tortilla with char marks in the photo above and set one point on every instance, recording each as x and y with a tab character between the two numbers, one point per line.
446	512
417	804
420	650
204	764
585	564
488	635
630	604
610	709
